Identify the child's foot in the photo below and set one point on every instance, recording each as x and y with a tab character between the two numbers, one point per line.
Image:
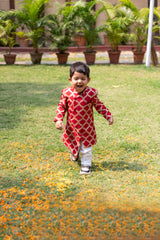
85	170
73	157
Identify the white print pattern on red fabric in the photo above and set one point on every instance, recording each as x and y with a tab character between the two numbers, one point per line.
80	121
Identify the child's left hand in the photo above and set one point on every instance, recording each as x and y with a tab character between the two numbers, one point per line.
110	120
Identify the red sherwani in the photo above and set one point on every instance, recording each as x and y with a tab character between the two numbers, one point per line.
80	121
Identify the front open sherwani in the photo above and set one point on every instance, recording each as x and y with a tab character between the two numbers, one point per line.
80	122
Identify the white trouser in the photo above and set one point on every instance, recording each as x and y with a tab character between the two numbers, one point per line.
86	155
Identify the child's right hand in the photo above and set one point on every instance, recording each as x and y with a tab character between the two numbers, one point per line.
110	120
59	125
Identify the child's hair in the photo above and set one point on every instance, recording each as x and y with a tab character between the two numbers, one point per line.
79	67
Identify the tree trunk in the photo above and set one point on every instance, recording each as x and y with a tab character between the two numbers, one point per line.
156	41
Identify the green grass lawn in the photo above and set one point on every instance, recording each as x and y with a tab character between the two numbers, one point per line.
42	194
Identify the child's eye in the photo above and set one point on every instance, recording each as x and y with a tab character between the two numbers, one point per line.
82	79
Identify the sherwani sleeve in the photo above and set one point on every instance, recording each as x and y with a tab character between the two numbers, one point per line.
61	109
101	108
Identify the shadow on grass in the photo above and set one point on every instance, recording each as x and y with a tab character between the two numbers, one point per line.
17	98
117	166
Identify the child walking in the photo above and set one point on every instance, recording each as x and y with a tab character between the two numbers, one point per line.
78	100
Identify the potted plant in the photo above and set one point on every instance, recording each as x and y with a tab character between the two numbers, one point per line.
61	28
8	38
31	15
86	18
23	39
139	28
116	29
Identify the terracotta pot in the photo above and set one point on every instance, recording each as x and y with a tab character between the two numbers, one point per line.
80	40
90	57
62	58
106	42
138	57
114	56
23	42
36	57
10	58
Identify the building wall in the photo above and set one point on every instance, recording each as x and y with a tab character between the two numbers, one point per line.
5	4
17	3
138	3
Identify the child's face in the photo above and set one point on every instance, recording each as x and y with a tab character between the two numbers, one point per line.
79	81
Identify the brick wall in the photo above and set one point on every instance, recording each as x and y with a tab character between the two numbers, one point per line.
138	3
4	4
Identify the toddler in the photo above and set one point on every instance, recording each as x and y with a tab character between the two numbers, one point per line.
78	100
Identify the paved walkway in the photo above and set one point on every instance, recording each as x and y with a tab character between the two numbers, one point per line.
126	57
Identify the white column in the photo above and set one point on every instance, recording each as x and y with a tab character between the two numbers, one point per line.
149	40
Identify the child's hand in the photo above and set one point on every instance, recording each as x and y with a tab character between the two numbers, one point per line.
110	120
59	125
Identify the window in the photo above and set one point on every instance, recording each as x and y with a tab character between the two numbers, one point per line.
12	5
